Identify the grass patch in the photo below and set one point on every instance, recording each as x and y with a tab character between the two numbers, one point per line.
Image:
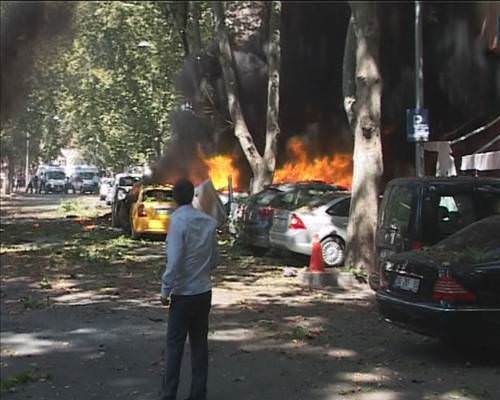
22	378
30	303
101	250
78	209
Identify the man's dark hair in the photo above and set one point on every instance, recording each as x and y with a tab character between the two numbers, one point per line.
183	192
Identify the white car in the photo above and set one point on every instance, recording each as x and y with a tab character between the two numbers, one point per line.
123	180
105	186
326	216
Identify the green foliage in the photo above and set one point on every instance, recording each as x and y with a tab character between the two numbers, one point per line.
107	87
122	67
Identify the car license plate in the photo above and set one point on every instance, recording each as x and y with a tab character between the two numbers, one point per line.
162	211
407	283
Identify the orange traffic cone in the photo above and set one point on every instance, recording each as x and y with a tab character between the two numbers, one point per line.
316	263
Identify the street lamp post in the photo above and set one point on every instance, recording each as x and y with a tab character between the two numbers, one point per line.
27	166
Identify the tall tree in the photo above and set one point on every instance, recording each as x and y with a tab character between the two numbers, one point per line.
362	100
262	166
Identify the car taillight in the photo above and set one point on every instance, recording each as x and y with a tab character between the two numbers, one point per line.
448	289
266	212
416	245
141	211
296	223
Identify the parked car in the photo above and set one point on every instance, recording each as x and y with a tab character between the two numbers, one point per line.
450	290
120	203
419	212
150	213
260	208
51	179
84	179
257	218
105	185
326	216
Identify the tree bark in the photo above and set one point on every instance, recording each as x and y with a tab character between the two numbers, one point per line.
273	87
179	13
195	14
349	71
260	166
368	165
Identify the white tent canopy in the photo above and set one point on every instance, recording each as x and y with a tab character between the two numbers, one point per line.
481	161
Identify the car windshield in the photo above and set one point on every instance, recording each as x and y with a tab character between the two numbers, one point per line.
56	175
128	181
158	195
87	175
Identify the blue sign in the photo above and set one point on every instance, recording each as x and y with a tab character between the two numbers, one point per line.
417	125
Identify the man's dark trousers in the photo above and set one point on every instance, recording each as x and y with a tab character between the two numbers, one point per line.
188	315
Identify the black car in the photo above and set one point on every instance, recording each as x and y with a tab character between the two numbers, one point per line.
419	212
450	290
259	212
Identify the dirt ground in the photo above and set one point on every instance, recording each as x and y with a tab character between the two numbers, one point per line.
81	320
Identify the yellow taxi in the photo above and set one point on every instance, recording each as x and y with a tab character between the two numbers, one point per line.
150	214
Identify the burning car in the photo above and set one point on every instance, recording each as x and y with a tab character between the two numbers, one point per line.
450	290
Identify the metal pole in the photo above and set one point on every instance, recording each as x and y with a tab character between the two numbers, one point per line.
27	166
419	84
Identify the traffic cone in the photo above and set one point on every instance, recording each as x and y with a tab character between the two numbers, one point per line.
316	263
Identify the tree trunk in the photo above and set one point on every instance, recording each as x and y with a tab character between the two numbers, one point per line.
195	29
179	12
349	71
368	166
273	91
259	165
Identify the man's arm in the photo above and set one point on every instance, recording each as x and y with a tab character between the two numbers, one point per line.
214	259
175	252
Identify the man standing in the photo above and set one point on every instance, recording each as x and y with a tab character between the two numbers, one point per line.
186	286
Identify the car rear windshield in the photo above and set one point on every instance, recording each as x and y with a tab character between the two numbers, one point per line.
447	209
56	175
158	195
127	181
324	199
300	197
264	198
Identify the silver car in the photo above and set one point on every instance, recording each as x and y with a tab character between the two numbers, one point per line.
325	216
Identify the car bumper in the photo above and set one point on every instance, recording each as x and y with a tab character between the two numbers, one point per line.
437	320
55	188
151	226
297	242
255	237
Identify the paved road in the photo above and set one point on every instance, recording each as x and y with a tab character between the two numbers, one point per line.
81	321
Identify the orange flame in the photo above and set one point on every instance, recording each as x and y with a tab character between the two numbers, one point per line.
330	169
220	167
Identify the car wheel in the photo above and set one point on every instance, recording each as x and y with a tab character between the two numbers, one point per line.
258	251
332	249
114	218
133	233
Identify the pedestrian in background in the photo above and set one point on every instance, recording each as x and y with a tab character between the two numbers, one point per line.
186	287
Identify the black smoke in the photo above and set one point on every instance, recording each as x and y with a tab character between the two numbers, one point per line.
460	80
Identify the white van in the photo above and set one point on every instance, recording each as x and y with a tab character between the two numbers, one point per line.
51	179
84	179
